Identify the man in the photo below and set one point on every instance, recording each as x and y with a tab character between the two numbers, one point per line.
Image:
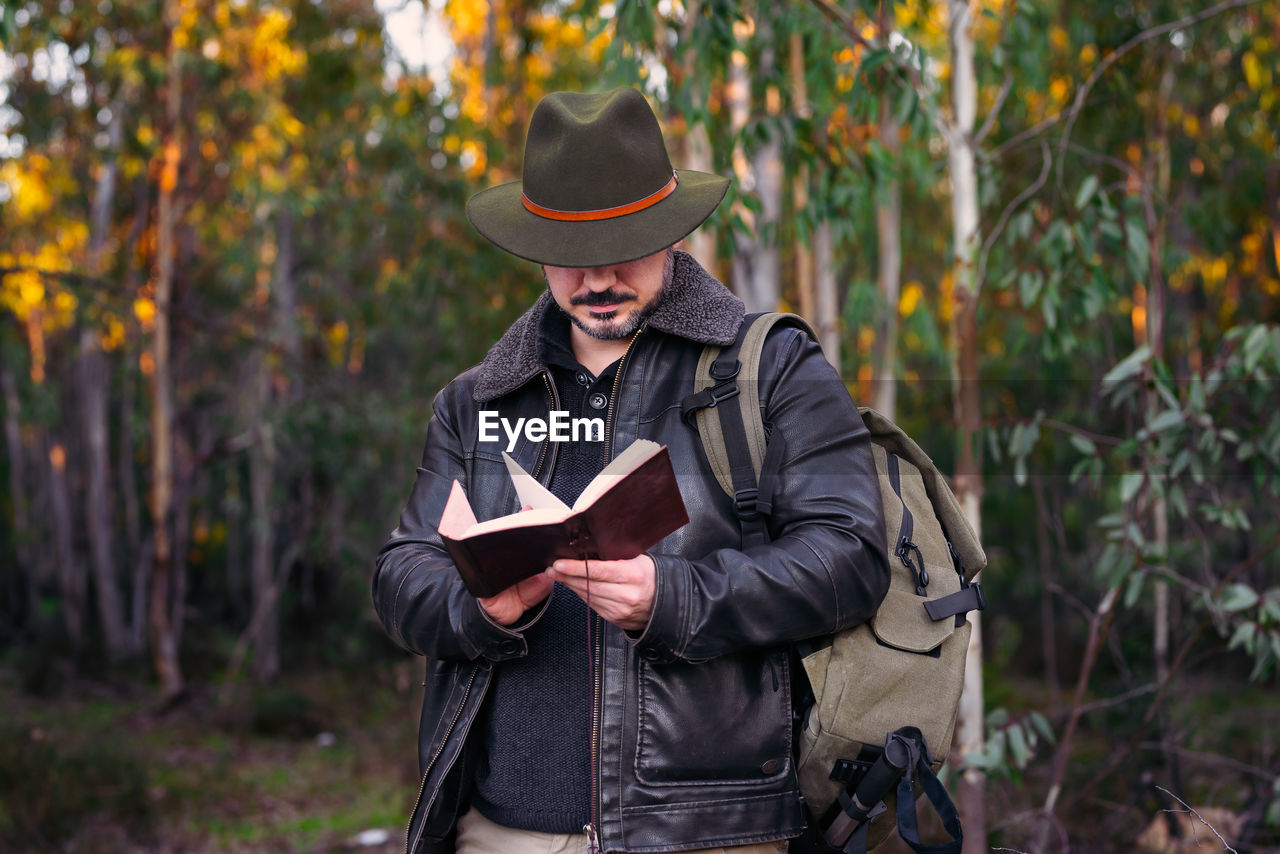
641	704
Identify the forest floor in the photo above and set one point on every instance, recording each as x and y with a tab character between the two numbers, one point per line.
325	761
319	762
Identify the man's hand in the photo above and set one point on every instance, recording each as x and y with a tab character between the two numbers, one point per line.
622	591
506	607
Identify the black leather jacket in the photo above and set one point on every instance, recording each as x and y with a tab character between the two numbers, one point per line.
694	717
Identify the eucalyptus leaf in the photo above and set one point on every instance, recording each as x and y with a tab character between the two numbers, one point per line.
1238	597
1128	366
1088	187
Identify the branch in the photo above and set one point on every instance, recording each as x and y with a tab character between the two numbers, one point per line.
1111	58
1027	193
1192	810
846	22
1069	114
990	121
1096	438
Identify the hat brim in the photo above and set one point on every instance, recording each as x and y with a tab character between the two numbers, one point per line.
499	214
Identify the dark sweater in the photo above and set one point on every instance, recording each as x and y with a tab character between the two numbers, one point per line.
536	724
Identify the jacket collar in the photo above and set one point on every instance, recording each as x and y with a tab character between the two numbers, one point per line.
694	306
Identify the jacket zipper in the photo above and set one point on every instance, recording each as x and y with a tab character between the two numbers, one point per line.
547	445
411	844
597	624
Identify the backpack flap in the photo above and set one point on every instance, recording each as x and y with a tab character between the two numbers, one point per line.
949	512
920	561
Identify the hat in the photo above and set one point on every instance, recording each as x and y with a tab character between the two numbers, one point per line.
598	186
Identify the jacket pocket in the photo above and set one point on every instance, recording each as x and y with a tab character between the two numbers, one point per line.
726	720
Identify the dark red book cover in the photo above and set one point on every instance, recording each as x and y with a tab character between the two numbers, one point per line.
635	510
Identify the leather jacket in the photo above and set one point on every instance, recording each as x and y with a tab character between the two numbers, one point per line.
694	716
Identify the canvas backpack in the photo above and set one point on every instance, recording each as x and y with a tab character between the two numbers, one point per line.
880	721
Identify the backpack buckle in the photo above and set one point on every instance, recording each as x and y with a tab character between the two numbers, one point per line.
723	370
724	391
744	502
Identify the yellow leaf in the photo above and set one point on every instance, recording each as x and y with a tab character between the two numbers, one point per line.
145	310
1252	70
30	289
1059	89
911	295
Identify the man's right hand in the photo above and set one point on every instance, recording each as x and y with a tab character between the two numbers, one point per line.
508	606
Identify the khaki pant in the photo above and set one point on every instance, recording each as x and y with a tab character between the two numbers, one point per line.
478	835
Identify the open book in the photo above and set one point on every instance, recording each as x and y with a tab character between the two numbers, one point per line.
631	505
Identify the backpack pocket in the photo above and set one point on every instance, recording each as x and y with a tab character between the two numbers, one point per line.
870	687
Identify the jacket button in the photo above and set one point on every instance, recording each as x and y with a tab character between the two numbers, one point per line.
597	401
650	654
509	647
771	767
582	378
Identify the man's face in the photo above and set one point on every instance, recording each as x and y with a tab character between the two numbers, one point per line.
610	303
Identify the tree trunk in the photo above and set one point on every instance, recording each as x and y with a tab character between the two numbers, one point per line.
94	381
737	97
138	551
765	283
889	240
805	288
696	151
164	648
26	570
262	461
971	793
697	156
827	302
71	577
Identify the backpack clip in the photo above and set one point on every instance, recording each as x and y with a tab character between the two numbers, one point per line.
918	571
745	503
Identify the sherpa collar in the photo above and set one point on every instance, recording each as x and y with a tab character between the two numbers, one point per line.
695	306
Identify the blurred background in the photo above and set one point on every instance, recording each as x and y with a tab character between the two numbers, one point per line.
234	270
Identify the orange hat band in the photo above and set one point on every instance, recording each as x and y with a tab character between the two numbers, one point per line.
603	213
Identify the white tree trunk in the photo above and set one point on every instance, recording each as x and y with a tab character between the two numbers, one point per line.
971	794
889	238
94	381
828	294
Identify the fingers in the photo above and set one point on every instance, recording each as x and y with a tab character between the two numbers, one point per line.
620	591
508	606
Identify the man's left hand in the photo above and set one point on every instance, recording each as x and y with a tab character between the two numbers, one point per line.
621	591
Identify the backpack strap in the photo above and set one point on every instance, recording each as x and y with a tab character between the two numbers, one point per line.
743	456
903	763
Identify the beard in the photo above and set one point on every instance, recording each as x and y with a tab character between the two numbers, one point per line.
609	327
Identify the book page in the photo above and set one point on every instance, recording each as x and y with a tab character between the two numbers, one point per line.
532	494
457	516
619	467
524	519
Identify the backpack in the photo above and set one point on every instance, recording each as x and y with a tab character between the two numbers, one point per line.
880	721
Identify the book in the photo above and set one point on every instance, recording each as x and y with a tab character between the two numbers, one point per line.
629	507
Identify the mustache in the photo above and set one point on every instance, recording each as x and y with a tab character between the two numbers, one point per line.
608	297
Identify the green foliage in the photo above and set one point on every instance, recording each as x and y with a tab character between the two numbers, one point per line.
1011	743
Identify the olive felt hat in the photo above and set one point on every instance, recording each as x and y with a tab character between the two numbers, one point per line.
598	186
